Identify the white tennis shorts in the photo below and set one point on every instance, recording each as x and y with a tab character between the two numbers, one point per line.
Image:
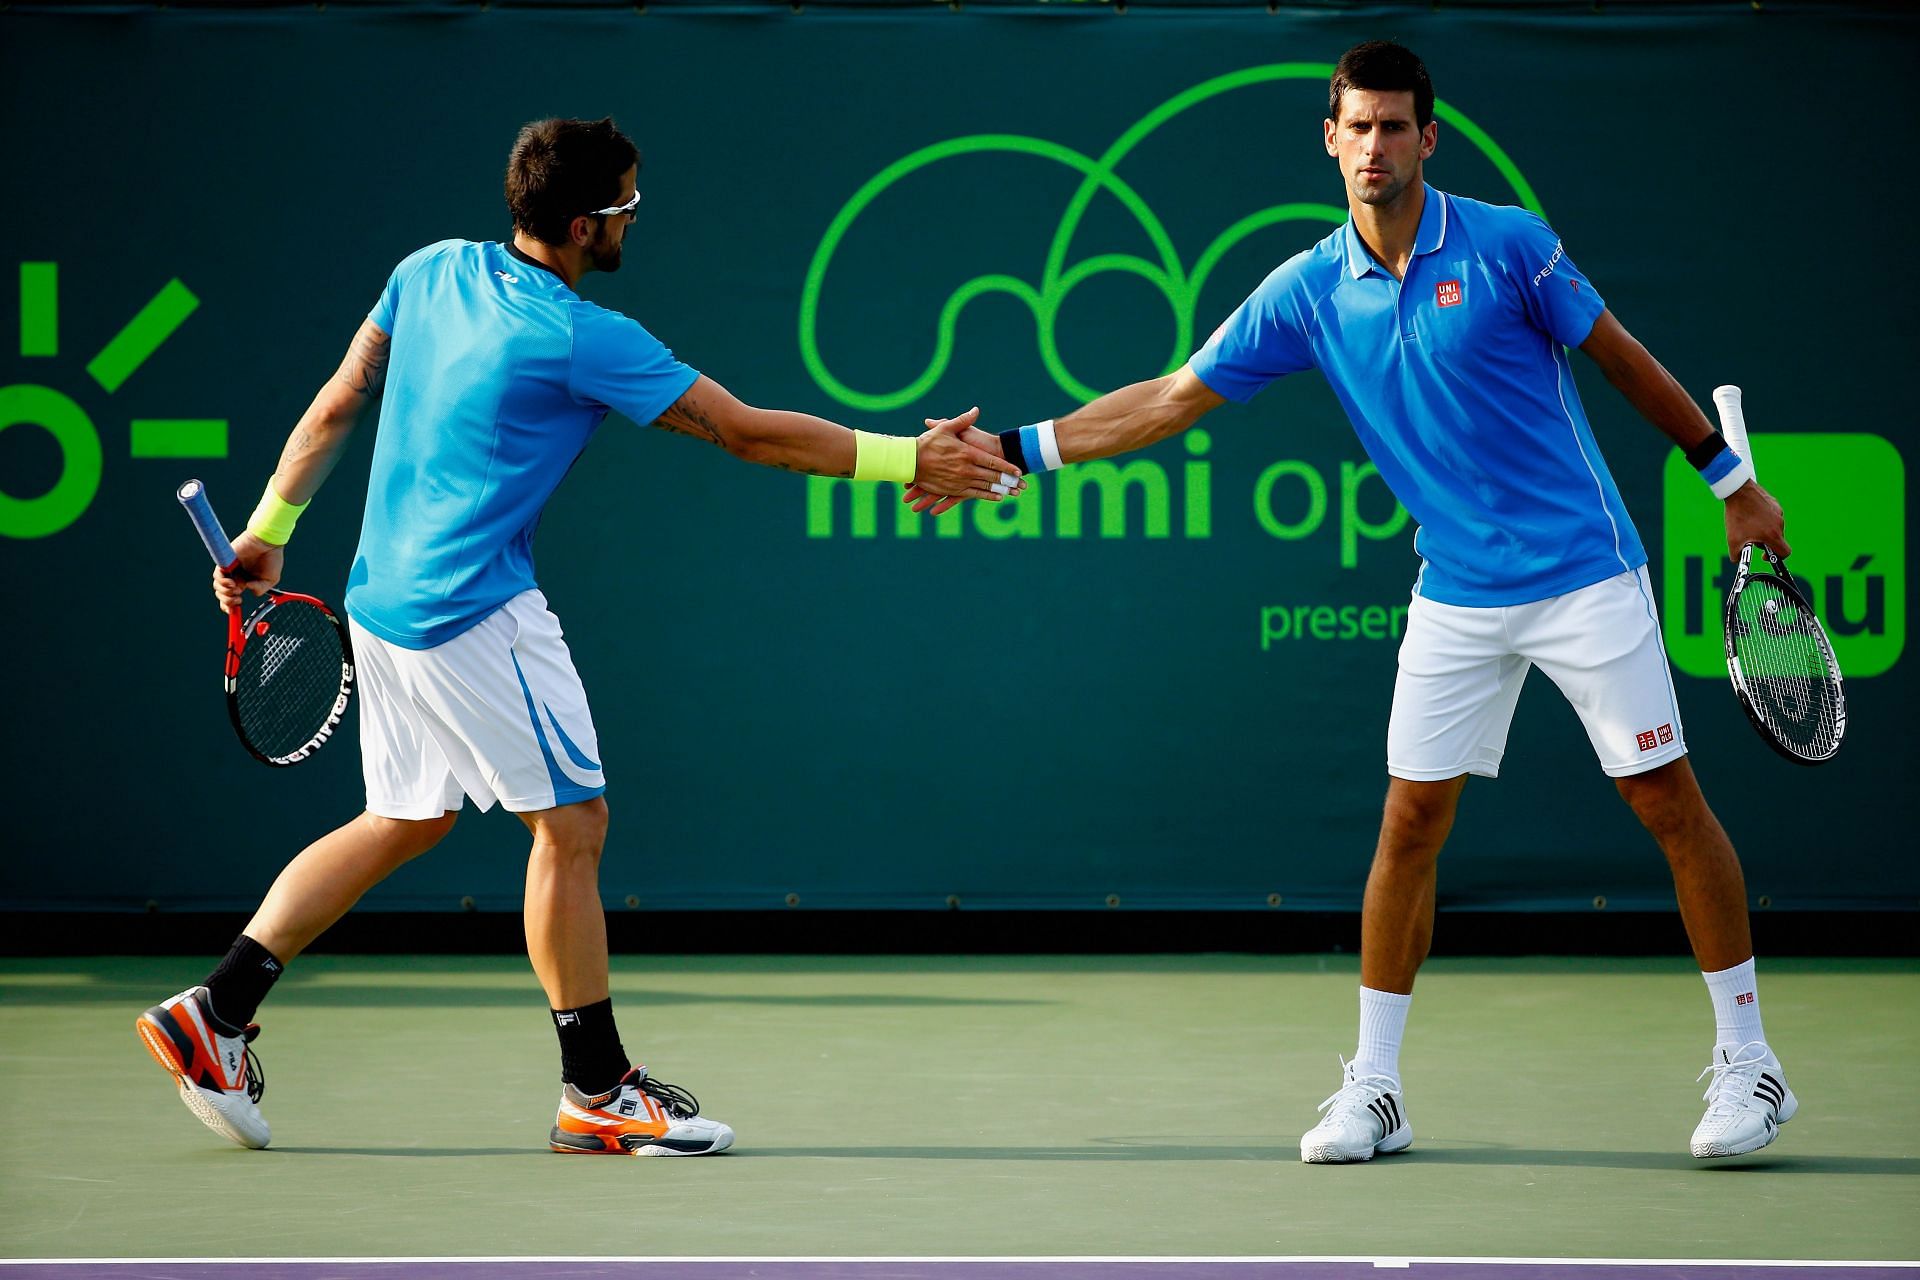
497	713
1461	670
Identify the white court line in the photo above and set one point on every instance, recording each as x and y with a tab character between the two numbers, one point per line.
1376	1259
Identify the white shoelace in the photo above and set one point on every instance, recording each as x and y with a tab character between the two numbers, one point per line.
1353	1096
1733	1081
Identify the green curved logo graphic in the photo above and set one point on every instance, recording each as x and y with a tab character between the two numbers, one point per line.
82	457
1179	284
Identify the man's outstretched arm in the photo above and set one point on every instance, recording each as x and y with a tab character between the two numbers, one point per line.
1120	421
1752	513
939	459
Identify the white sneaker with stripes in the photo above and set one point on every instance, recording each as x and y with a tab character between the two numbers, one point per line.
1365	1118
1747	1101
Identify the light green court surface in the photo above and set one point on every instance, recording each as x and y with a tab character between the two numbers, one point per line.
989	1106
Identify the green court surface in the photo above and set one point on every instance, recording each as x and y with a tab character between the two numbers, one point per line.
966	1106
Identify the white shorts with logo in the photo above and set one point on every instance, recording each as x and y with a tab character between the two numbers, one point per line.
1461	670
497	713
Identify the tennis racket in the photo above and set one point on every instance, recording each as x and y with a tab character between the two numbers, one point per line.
1778	655
289	664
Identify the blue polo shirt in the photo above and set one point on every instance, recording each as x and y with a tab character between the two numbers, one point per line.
497	377
1457	381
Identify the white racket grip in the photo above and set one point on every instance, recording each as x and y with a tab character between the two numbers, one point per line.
1733	420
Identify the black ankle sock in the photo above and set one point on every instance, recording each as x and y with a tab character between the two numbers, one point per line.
241	981
591	1059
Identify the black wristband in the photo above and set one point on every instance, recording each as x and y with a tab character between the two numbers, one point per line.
1706	451
1010	447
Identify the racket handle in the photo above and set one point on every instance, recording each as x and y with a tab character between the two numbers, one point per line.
1733	421
193	496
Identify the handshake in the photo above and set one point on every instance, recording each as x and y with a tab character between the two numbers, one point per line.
957	461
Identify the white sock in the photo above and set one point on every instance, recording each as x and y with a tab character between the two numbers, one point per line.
1736	1006
1383	1023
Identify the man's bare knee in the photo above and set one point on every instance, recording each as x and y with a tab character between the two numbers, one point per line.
405	838
1417	817
570	830
1667	800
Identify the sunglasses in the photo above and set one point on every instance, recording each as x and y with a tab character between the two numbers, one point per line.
626	208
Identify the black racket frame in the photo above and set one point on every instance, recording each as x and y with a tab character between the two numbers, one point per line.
1783	581
237	633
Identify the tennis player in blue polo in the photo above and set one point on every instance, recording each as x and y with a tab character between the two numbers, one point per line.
1443	324
496	375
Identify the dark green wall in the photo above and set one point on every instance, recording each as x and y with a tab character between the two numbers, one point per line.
884	721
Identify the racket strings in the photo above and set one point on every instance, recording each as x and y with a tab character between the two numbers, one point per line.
1786	667
289	678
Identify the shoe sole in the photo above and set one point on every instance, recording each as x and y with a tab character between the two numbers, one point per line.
1329	1154
165	1050
1720	1150
1326	1153
632	1144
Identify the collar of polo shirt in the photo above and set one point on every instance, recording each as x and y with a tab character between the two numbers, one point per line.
1431	235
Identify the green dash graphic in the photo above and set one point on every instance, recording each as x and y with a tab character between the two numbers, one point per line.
179	437
39	308
143	335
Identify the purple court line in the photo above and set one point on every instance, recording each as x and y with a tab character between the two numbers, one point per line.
930	1269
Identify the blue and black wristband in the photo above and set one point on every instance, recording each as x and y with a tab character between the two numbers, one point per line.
1724	470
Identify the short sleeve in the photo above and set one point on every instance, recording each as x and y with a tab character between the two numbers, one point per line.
1559	300
386	309
388	304
618	364
1264	339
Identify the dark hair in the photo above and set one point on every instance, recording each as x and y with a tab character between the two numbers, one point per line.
560	169
1384	67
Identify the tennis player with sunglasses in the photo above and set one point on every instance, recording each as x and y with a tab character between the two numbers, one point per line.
495	374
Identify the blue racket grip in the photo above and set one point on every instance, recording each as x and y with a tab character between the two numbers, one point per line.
193	496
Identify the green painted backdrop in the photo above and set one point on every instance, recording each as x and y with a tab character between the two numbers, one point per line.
1167	684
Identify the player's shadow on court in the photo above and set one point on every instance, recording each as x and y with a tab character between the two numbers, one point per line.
1770	1162
371	995
432	1152
1107	1150
1103	1151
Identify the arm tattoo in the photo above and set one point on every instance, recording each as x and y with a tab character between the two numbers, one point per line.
365	368
298	443
685	417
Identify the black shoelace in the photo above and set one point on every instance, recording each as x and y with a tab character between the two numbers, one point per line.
256	1078
679	1103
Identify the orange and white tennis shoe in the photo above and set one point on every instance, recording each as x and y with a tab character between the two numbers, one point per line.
639	1116
219	1076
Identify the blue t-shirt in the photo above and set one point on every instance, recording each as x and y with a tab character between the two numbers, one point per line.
1457	381
497	377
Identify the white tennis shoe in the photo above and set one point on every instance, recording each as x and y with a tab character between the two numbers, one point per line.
1747	1101
218	1075
1364	1118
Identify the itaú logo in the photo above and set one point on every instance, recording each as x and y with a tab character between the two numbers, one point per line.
1845	499
37	506
1096	236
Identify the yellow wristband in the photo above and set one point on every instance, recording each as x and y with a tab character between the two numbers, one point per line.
272	520
878	457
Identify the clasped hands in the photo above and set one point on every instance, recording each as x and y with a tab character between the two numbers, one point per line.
956	461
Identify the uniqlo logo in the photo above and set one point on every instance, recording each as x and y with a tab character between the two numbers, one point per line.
1447	293
1666	734
1648	740
1745	997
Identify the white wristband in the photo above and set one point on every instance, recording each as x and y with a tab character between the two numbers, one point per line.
1728	484
1049	447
